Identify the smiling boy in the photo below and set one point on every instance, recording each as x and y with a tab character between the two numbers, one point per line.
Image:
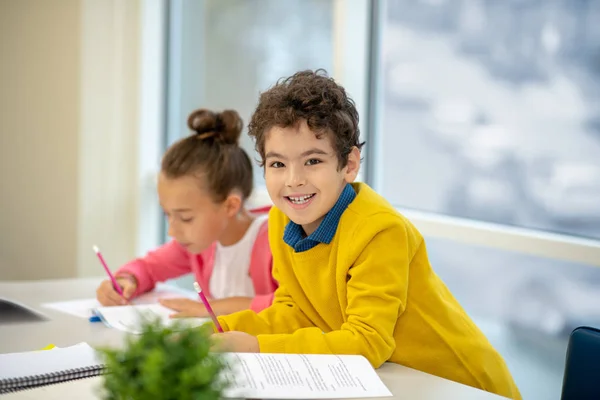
353	273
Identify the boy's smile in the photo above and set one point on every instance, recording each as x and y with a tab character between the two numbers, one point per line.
303	174
300	201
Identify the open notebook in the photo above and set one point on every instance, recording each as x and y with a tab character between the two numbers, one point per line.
83	308
130	318
20	371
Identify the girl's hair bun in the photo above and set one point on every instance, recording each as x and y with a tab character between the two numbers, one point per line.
225	127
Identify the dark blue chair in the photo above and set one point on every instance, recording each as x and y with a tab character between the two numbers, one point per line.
581	380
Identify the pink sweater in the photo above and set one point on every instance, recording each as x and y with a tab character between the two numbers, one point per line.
172	260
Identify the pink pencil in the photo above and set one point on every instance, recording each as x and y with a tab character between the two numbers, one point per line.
207	305
110	275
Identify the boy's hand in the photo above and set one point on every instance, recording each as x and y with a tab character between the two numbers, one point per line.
185	308
108	296
235	342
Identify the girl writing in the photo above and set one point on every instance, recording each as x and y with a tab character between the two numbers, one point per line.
204	182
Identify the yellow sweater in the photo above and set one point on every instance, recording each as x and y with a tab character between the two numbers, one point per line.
371	291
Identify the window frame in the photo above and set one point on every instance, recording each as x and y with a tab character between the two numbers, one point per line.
152	93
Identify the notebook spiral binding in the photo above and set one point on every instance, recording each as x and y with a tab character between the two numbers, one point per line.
30	382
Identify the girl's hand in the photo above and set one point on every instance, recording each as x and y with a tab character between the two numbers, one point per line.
185	308
108	296
235	342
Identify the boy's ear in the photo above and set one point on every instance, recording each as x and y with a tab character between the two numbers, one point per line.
233	204
353	165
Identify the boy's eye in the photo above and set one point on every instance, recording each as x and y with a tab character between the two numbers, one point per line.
313	161
277	164
187	219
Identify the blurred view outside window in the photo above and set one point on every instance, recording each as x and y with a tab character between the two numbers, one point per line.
494	107
491	112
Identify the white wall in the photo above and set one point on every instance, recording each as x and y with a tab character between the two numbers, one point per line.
39	119
69	75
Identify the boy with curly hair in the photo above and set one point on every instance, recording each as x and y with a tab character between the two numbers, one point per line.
354	275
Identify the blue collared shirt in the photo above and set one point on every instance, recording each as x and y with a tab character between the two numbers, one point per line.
293	234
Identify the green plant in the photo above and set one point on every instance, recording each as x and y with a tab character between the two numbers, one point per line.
164	363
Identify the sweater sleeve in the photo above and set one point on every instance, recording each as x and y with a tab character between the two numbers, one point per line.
282	316
166	262
376	294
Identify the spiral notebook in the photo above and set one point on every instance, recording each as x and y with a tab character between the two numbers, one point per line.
19	371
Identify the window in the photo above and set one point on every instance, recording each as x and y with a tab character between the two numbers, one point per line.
487	135
498	104
224	53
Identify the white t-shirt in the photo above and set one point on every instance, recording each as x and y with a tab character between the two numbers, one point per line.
230	276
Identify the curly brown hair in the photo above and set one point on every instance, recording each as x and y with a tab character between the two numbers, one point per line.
212	154
314	97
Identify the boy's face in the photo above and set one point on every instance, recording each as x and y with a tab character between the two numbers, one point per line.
302	173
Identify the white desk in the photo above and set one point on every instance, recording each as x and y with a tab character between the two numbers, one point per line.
65	330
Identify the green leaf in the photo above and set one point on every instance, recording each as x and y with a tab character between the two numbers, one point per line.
164	363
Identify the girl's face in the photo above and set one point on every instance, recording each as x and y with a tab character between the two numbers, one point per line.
195	220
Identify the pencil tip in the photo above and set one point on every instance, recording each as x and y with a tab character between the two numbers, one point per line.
95	248
197	287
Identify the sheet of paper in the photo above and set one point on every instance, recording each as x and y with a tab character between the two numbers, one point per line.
302	376
83	308
80	307
130	318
